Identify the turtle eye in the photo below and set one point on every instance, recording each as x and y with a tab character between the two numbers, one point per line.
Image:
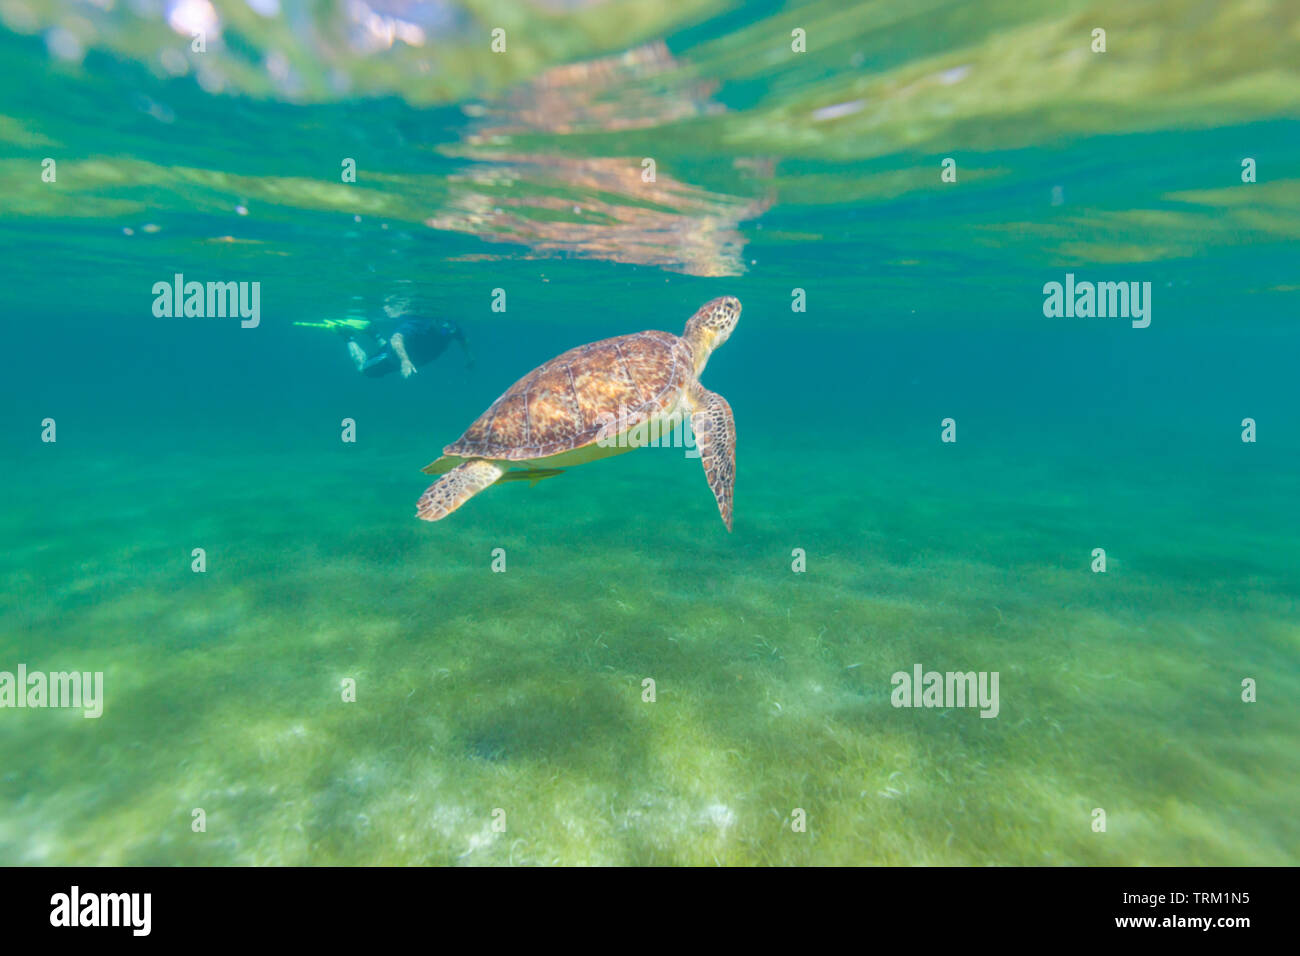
727	310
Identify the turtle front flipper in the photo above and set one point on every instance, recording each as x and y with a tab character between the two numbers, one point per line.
455	488
715	437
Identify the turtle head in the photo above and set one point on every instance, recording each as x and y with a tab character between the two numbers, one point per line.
710	326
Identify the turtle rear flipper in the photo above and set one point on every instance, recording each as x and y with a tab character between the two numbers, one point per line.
532	475
455	488
443	465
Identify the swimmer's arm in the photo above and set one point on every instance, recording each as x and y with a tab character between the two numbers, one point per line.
399	346
459	336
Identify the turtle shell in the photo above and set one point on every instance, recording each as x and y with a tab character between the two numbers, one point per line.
565	403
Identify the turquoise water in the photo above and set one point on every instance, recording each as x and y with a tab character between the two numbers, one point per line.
484	698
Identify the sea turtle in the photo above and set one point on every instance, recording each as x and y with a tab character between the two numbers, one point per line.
593	402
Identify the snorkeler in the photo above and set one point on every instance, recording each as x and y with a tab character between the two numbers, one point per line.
413	344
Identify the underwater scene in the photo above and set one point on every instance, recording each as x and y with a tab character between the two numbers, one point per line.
852	433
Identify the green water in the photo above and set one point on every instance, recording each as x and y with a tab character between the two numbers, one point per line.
485	697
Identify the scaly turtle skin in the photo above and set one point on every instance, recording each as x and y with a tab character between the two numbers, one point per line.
582	405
